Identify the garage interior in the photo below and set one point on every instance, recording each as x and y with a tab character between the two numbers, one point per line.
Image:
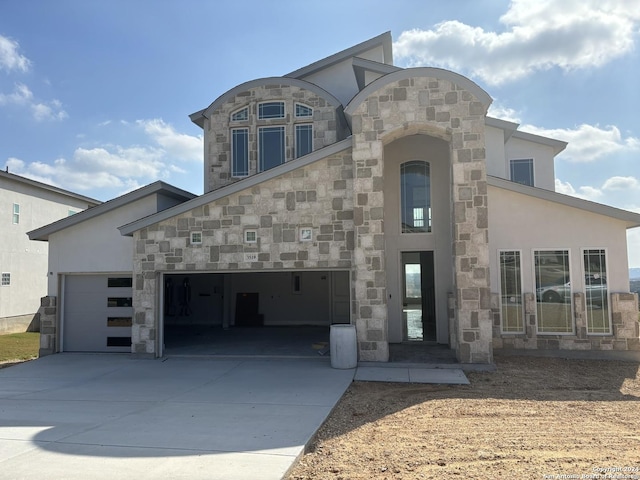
257	313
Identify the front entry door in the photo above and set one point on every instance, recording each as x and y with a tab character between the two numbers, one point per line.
419	299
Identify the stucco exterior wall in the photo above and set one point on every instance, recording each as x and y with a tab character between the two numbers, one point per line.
547	225
24	259
325	120
96	245
543	161
318	196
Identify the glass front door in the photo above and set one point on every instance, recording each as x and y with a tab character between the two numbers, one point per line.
419	305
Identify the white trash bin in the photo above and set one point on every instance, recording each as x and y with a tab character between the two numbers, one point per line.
343	346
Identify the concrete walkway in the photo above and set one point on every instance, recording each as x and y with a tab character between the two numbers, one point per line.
108	416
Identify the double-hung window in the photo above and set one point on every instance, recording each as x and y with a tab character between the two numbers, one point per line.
16	214
240	152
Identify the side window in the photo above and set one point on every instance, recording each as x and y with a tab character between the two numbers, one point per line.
271	152
6	279
553	291
304	140
596	291
302	111
240	115
522	171
240	152
415	192
511	307
16	214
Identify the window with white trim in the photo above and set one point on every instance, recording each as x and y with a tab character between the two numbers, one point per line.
511	307
596	291
553	291
240	115
271	149
522	171
267	110
196	238
304	139
251	236
302	111
239	152
16	214
6	279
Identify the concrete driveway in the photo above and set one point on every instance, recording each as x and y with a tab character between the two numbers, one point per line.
74	416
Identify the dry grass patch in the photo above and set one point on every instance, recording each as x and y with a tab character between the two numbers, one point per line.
18	347
533	417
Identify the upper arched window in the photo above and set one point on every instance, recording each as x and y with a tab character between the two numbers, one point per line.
302	111
415	191
240	115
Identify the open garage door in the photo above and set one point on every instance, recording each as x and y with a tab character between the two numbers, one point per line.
97	313
256	313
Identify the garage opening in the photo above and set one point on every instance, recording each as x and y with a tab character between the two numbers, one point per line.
257	313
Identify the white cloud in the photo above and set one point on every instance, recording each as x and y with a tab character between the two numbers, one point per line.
497	110
538	35
23	96
621	183
117	167
588	143
584	192
10	59
179	145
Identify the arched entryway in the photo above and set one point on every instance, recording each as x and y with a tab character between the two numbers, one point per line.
417	238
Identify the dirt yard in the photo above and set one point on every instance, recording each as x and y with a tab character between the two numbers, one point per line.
533	418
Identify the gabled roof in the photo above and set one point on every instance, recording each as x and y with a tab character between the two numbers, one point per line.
361	66
632	219
383	40
511	130
43	186
159	187
236	187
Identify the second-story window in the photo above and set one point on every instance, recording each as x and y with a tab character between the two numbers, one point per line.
16	214
269	110
240	115
522	171
302	111
304	139
240	152
271	149
415	191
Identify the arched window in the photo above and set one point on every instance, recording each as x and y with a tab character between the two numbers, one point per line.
415	191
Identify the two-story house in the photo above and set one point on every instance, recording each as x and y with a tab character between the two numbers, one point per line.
354	191
26	204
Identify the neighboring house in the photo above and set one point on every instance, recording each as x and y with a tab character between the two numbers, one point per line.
24	205
353	191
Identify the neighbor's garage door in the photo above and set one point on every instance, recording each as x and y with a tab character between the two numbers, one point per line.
97	313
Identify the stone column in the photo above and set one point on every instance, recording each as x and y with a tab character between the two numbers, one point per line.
48	313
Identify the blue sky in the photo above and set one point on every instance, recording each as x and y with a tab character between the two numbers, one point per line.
95	94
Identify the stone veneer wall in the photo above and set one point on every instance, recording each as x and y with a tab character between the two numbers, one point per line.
326	127
440	108
624	316
319	196
47	314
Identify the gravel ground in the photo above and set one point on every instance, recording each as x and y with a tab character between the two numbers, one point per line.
533	418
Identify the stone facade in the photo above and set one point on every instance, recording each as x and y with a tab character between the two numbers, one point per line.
319	196
325	121
625	323
440	108
48	313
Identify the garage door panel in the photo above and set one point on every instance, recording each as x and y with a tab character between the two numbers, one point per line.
97	318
